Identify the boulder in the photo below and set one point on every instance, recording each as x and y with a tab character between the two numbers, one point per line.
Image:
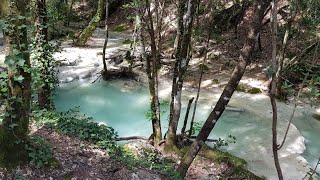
316	116
143	174
141	149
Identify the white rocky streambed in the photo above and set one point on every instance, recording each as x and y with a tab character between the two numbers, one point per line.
121	104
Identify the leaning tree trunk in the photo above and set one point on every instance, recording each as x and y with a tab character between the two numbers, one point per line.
283	51
40	53
105	69
88	31
255	19
180	68
14	127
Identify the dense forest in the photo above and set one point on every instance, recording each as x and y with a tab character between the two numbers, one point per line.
159	89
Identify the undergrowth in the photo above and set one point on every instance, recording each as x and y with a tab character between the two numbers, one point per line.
73	123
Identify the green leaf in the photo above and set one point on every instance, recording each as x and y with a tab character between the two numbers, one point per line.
8	60
13	125
21	17
3	75
20	62
2	24
4	90
19	78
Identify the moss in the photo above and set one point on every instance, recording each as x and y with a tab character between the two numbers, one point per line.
220	156
67	177
54	163
87	32
237	164
248	89
241	87
215	81
173	149
254	90
120	28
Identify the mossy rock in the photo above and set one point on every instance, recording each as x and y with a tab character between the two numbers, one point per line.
220	156
120	28
238	165
242	87
215	81
140	149
254	90
248	89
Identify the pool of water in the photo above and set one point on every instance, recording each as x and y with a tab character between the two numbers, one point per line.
122	105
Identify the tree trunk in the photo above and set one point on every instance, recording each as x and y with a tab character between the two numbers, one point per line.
180	29
14	127
88	31
153	78
273	90
180	68
151	70
255	20
183	130
105	69
40	51
196	102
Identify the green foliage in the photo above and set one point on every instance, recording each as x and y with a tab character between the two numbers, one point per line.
196	127
164	107
43	70
120	28
221	142
40	151
133	162
74	123
311	12
13	26
57	10
21	177
313	89
134	4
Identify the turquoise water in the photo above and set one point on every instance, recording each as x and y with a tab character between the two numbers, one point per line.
122	105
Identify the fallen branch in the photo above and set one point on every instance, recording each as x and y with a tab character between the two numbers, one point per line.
98	78
300	56
130	138
208	140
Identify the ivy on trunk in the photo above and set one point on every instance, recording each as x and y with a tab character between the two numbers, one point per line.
14	127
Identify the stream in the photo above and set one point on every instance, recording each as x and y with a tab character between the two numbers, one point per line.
122	104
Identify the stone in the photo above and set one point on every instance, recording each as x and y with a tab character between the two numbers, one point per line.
316	116
143	174
140	149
